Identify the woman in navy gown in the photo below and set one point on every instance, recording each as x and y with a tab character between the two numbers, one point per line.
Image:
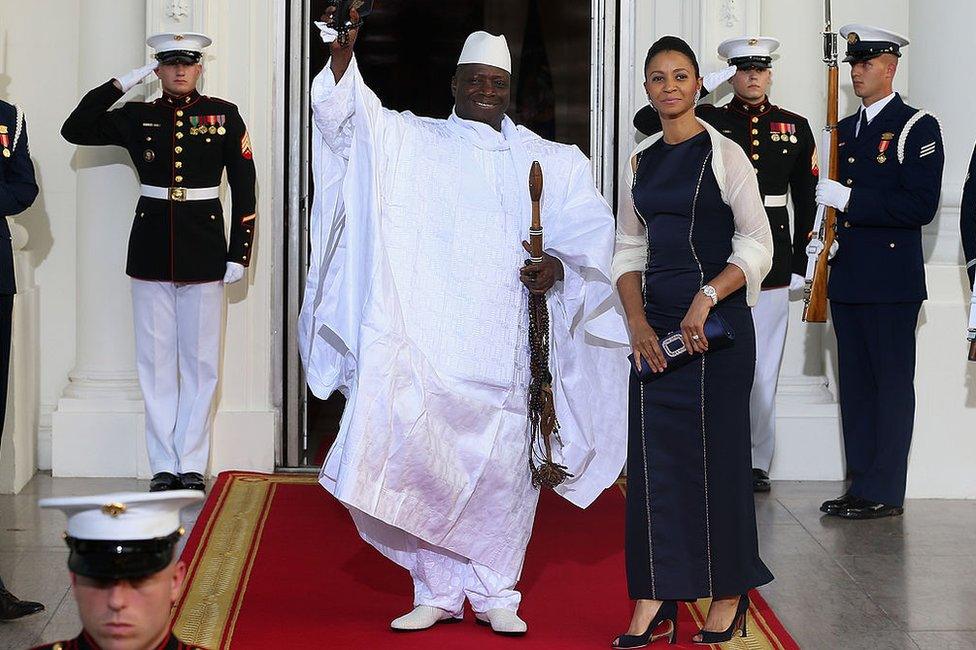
692	238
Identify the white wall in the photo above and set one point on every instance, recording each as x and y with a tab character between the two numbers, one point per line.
38	71
944	448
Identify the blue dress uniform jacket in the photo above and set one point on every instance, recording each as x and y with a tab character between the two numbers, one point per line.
18	188
879	259
177	142
876	289
967	220
783	152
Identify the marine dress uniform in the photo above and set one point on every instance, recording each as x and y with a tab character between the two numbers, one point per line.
890	162
18	189
178	253
782	149
123	536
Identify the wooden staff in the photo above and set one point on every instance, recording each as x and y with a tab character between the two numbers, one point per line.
542	407
815	309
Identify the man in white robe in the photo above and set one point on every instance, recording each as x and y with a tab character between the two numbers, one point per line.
415	310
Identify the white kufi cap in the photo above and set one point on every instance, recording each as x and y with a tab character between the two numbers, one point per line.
488	49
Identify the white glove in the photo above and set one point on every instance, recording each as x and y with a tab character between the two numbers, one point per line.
713	80
797	282
972	311
833	194
234	273
327	34
132	79
834	245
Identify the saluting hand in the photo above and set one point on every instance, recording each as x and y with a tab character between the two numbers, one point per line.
539	278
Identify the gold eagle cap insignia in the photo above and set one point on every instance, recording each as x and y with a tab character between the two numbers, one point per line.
753	41
853	38
179	37
113	509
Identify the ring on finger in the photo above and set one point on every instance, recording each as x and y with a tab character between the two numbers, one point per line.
695	337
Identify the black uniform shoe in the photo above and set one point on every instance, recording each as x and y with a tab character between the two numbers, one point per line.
163	481
833	506
12	607
760	480
193	481
864	509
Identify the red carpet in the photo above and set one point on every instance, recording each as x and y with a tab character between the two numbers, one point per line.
275	562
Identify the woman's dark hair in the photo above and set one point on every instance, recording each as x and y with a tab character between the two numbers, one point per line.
671	44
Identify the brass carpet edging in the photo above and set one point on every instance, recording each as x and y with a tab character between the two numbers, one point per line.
224	558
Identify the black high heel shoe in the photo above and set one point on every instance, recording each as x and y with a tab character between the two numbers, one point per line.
739	622
668	611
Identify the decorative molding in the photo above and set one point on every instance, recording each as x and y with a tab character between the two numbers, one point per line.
177	10
728	14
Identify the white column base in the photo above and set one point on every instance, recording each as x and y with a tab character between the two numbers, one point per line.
243	440
99	438
809	446
18	455
107	438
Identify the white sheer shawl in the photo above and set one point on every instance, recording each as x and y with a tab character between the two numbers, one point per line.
752	243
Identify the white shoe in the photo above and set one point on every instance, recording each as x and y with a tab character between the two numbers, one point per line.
502	621
421	618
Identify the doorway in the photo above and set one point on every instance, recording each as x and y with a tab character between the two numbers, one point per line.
563	89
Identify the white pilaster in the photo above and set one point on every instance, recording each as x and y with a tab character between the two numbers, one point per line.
18	455
97	429
944	448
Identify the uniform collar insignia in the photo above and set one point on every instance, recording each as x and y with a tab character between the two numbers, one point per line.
751	109
173	100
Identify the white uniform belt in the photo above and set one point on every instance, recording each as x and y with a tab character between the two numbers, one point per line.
775	201
181	193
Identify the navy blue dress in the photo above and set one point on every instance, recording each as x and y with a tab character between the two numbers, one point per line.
691	520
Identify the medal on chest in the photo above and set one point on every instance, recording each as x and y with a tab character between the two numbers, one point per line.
5	143
886	139
782	132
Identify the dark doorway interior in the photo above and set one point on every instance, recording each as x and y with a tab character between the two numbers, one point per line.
407	52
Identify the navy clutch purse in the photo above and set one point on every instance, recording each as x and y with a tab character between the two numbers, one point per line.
719	333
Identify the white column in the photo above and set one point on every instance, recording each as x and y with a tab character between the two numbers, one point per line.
98	426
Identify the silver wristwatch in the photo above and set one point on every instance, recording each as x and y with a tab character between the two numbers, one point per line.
710	291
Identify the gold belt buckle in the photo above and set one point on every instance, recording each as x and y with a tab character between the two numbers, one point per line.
177	194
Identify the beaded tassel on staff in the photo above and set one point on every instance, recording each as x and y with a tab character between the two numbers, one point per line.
543	424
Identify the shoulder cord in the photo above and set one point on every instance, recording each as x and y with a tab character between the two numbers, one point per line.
903	138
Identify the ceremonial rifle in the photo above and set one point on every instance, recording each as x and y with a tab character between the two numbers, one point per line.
825	224
543	424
